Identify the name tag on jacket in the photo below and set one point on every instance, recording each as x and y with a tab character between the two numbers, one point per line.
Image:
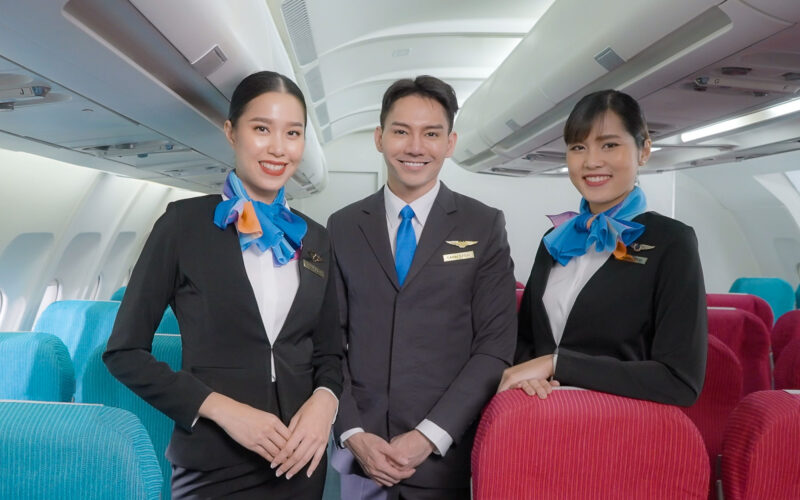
449	257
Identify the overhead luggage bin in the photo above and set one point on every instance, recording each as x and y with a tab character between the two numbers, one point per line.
146	85
512	124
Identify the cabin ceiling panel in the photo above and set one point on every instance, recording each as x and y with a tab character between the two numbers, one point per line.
356	122
345	66
434	54
68	125
358	19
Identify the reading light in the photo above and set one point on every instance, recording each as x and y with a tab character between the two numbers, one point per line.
742	121
24	92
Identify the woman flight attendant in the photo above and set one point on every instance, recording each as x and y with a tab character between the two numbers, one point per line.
615	301
249	281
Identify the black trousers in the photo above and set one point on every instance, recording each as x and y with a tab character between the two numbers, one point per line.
246	481
252	479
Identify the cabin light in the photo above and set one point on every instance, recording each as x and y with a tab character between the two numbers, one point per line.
24	92
742	121
653	149
556	171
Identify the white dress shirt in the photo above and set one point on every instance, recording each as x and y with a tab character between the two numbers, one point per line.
565	283
274	287
422	208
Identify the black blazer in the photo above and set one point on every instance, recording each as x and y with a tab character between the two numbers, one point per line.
197	268
435	348
636	330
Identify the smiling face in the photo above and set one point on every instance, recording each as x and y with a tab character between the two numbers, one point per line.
603	166
415	142
268	140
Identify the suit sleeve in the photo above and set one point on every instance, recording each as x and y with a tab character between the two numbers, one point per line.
494	336
348	417
676	370
327	337
128	352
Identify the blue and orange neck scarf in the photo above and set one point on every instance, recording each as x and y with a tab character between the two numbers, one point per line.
268	226
576	233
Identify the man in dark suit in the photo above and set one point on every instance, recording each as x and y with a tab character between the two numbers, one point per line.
426	292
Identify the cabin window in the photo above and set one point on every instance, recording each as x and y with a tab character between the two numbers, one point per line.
51	294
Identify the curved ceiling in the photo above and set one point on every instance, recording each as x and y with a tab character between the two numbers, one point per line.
347	53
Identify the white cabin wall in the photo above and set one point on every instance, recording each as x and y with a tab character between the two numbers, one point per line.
746	218
70	224
724	251
355	170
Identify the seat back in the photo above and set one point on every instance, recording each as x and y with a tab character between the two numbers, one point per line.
777	292
722	391
118	294
82	325
586	444
749	339
745	301
786	329
101	387
169	322
787	369
35	367
66	450
759	451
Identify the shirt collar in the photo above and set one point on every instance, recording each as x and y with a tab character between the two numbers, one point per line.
421	206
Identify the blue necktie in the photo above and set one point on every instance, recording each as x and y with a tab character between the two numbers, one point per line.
406	244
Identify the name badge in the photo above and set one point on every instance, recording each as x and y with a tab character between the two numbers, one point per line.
314	269
634	258
449	257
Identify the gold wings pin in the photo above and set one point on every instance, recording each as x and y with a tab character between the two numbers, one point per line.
461	243
641	247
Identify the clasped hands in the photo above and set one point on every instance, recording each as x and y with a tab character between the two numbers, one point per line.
531	376
287	448
390	462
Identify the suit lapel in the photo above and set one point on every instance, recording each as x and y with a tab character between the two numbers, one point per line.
308	283
232	254
437	228
373	226
538	283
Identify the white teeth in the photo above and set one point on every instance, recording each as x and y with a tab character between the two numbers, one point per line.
270	166
598	178
413	164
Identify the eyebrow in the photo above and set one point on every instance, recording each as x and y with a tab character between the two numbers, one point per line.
606	137
429	127
270	121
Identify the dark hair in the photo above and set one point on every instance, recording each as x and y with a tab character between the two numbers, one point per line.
593	106
260	83
424	86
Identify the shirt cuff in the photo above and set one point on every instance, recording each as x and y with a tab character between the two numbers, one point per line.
350	432
439	437
336	413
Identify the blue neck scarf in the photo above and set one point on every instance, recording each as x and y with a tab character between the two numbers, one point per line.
606	231
268	226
